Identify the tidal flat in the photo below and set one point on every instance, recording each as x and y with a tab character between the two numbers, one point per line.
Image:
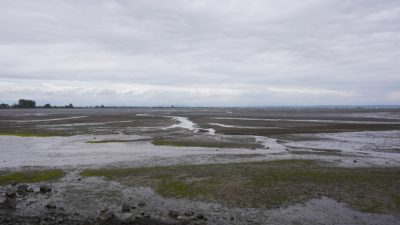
200	166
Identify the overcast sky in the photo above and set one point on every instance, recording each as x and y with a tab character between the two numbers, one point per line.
200	53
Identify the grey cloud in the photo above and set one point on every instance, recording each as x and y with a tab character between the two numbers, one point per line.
323	48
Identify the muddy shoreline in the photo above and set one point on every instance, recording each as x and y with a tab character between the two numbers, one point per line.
75	140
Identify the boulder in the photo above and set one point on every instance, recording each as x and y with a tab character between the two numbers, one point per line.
87	221
127	218
51	205
43	222
126	207
22	189
45	189
189	213
9	203
173	213
11	194
200	216
106	215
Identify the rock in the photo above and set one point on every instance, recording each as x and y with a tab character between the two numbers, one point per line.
354	161
200	216
51	205
266	147
79	179
141	204
43	222
127	218
45	189
126	207
11	194
189	213
87	222
216	209
22	189
193	218
105	209
106	216
60	220
202	130
9	203
173	213
30	190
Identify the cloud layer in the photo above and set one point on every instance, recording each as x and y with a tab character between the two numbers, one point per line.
208	53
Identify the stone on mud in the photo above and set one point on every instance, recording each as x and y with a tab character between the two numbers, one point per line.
200	216
51	205
127	218
45	189
11	194
22	189
87	222
189	213
106	215
173	213
10	201
126	207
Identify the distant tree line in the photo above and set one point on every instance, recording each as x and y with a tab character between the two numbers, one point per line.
27	103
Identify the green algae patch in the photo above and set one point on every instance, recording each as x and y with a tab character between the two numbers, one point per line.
109	141
205	143
268	184
116	141
30	176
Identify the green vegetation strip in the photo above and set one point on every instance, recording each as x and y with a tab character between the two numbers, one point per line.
30	176
116	141
203	143
268	184
109	141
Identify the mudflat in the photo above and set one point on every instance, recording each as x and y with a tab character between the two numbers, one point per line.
200	166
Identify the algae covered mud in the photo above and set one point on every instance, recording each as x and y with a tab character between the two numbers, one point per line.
200	166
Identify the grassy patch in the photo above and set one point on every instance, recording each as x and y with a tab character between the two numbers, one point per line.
205	143
114	141
299	152
268	184
30	176
179	189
